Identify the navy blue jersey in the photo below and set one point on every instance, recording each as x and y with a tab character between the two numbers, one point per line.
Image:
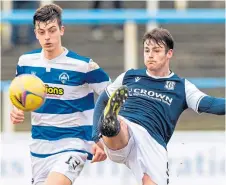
156	103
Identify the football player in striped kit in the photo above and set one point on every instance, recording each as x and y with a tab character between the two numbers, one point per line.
62	126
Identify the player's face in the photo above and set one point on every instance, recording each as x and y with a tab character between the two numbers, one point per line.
49	35
155	56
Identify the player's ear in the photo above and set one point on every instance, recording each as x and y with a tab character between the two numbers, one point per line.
62	30
170	53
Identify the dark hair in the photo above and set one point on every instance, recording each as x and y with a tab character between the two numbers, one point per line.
48	13
160	36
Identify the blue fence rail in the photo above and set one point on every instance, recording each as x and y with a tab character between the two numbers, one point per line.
140	16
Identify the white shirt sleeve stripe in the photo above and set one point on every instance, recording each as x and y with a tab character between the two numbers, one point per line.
193	95
115	85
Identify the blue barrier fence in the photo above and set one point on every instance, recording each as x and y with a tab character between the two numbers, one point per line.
140	16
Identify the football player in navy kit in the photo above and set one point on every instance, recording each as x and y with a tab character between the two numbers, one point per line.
136	115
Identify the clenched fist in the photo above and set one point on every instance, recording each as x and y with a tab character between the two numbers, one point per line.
16	116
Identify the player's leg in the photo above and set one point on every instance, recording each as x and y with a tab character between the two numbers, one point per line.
120	140
114	131
146	158
66	169
153	160
55	178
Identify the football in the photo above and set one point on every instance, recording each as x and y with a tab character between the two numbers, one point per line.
27	92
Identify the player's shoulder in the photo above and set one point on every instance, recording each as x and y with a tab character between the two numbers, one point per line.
32	53
176	77
73	56
137	72
30	56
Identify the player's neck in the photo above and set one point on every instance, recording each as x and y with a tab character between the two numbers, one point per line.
51	55
159	73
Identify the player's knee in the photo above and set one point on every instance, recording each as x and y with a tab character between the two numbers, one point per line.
116	157
121	155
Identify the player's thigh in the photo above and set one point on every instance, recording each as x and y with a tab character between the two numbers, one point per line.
121	155
67	168
146	180
121	140
148	157
41	168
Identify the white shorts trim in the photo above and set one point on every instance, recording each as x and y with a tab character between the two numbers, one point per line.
143	154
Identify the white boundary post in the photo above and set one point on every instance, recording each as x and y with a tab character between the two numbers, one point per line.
180	4
5	102
130	46
152	8
45	2
6	27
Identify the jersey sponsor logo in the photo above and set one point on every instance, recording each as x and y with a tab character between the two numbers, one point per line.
151	94
64	77
137	79
170	85
54	90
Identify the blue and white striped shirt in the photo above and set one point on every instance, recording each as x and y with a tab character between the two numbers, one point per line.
64	121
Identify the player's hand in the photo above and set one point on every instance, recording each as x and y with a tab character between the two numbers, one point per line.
16	116
98	153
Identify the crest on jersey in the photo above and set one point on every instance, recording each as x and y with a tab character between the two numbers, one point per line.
64	77
33	73
137	79
170	85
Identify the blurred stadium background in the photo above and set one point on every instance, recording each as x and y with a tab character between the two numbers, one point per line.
199	55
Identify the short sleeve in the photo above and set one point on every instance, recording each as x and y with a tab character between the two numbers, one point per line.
193	95
96	77
115	85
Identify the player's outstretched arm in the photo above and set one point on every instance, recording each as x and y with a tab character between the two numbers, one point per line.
212	105
99	108
201	102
